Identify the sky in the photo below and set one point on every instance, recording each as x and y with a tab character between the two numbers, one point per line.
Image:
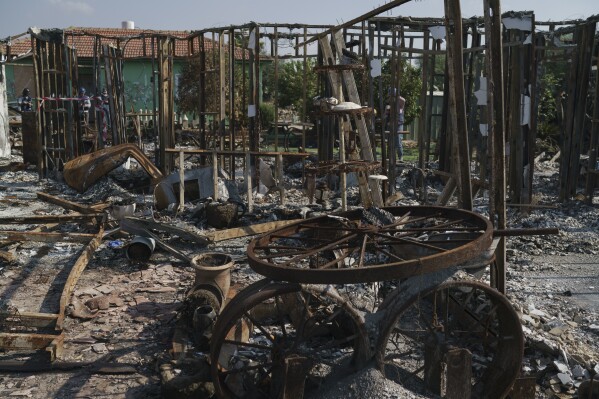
17	16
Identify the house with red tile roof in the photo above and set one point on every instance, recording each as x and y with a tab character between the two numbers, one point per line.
139	47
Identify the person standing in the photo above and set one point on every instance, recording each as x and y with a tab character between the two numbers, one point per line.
25	101
401	104
84	104
104	108
400	108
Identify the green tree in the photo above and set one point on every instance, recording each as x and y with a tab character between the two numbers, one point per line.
187	98
552	83
188	90
291	82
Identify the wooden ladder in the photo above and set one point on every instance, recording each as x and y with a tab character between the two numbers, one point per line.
370	190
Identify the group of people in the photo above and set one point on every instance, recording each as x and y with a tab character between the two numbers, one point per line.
102	105
84	104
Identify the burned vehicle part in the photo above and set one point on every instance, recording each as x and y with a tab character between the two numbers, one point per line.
82	172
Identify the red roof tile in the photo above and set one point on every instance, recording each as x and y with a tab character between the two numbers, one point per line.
135	42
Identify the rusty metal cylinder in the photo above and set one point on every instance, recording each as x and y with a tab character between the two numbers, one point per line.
141	249
203	317
213	267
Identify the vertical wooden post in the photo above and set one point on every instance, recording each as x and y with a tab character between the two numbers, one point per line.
295	370
371	88
232	121
384	162
202	97
594	144
280	177
257	87
276	100
342	174
453	18
392	95
444	142
585	36
474	136
166	101
4	126
304	99
534	104
215	174
429	110
495	115
513	121
181	181
248	180
222	81
71	150
432	366
153	81
423	128
459	374
252	100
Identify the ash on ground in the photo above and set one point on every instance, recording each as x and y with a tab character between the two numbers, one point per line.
552	282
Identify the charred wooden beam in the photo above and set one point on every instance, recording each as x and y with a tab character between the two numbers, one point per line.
11	235
87	210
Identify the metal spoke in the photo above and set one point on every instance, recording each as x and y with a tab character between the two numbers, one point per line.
321	248
248	344
246	368
259	326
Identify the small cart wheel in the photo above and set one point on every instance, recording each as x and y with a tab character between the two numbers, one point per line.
423	327
276	336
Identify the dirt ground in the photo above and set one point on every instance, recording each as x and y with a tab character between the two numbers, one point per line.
553	283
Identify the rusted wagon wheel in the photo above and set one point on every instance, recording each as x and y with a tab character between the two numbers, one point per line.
371	245
274	336
425	328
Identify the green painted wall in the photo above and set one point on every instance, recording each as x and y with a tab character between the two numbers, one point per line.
137	76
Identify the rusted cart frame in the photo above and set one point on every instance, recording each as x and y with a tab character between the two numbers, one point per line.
48	336
277	254
434	315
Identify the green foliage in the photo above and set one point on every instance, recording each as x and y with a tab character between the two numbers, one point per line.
291	81
187	98
552	84
267	114
188	92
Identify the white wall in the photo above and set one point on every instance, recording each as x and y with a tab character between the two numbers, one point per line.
4	127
